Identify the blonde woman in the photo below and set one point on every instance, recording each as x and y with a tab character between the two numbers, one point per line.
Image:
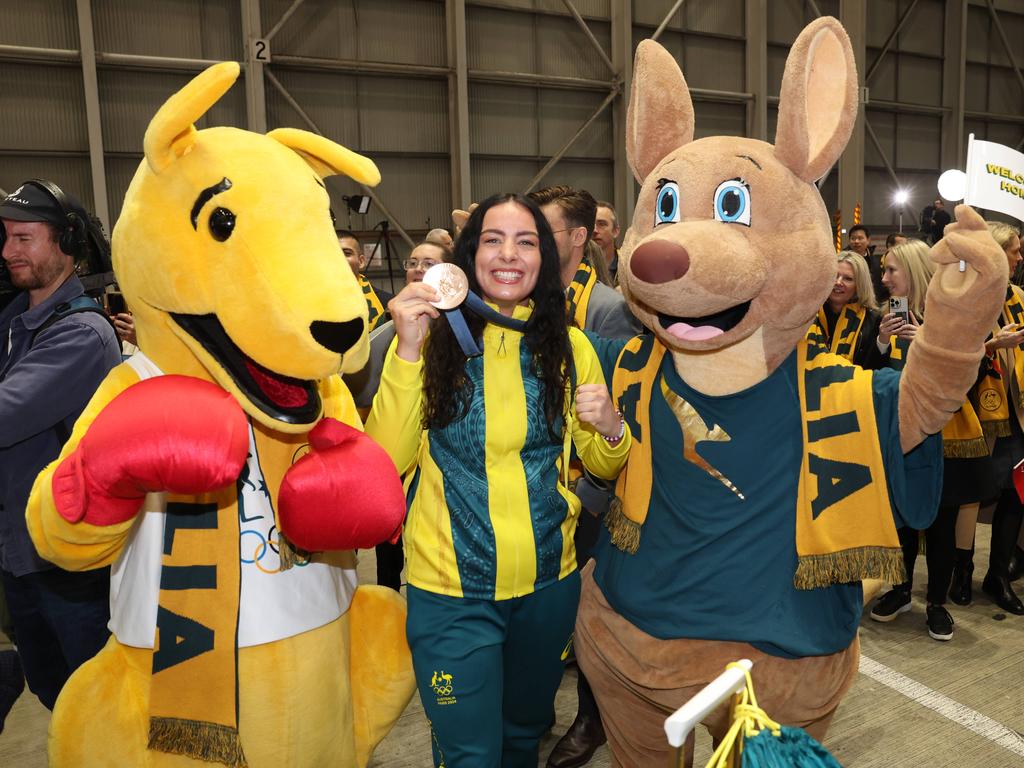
848	320
907	271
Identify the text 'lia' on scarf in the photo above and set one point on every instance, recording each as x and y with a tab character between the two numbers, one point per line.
577	295
843	340
374	306
844	522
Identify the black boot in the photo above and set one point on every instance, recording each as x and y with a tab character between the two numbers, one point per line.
585	734
1002	594
1016	568
960	587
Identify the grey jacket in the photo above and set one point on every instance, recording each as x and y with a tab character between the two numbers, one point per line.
42	385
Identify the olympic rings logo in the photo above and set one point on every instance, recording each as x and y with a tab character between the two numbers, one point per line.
263	546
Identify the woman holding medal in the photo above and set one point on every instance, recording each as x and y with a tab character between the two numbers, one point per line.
483	406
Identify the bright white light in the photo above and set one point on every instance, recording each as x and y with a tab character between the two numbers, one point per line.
953	185
901	197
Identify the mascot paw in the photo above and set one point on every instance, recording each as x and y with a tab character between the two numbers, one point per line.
985	269
170	433
344	494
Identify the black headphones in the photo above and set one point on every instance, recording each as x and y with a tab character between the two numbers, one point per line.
73	236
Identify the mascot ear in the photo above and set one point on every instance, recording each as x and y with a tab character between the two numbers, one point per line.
660	116
818	101
171	132
327	158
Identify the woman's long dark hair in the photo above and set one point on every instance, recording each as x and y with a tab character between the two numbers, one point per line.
446	387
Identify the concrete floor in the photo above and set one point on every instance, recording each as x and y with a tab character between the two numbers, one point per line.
889	718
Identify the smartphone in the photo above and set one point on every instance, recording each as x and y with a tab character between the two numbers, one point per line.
898	306
115	303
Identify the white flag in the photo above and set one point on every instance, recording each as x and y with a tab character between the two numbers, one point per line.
995	178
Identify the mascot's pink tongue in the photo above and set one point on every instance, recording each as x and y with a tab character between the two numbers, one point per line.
686	332
281	393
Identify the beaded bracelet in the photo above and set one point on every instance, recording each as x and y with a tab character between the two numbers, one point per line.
622	429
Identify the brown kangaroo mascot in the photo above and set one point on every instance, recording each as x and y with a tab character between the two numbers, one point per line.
767	477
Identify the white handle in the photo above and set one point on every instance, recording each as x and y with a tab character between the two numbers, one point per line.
683	720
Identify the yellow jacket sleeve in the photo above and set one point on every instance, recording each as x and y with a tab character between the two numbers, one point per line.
599	457
77	546
396	417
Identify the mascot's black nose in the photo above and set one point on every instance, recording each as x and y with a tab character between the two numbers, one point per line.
659	261
337	337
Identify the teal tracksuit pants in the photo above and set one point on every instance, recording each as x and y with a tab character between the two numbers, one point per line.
488	670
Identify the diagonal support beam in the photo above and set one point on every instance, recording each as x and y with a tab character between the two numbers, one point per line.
590	35
313	127
889	41
815	8
561	153
885	161
284	17
1006	43
667	19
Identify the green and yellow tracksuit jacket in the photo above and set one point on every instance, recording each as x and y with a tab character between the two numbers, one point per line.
490	516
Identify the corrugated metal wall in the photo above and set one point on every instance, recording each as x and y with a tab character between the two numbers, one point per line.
401	118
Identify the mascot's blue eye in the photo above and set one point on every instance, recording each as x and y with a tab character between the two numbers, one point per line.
667	205
222	224
732	202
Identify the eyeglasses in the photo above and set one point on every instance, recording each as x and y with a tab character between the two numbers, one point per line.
413	264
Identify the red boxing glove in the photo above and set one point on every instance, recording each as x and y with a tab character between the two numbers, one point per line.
344	494
170	433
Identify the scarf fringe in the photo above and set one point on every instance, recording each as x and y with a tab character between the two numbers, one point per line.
625	533
993	429
197	739
971	448
885	563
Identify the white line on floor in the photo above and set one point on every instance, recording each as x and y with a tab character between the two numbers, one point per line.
943	705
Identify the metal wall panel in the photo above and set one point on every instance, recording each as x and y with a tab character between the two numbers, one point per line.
1013	26
787	17
976	87
120	172
40	23
331	99
884	126
564	50
923	31
918	142
523	5
881	19
129	100
201	29
723	17
1005	94
561	115
883	82
596	9
319	28
597	178
776	67
707	62
716	119
43	107
500	40
492	176
920	80
503	120
978	23
405	31
403	115
71	174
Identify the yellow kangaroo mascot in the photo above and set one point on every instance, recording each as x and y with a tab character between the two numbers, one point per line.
223	474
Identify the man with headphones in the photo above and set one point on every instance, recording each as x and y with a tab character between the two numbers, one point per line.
56	347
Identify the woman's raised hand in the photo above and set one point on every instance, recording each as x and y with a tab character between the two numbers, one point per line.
594	407
411	312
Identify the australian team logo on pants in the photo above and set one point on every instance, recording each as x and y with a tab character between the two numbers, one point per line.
441	684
